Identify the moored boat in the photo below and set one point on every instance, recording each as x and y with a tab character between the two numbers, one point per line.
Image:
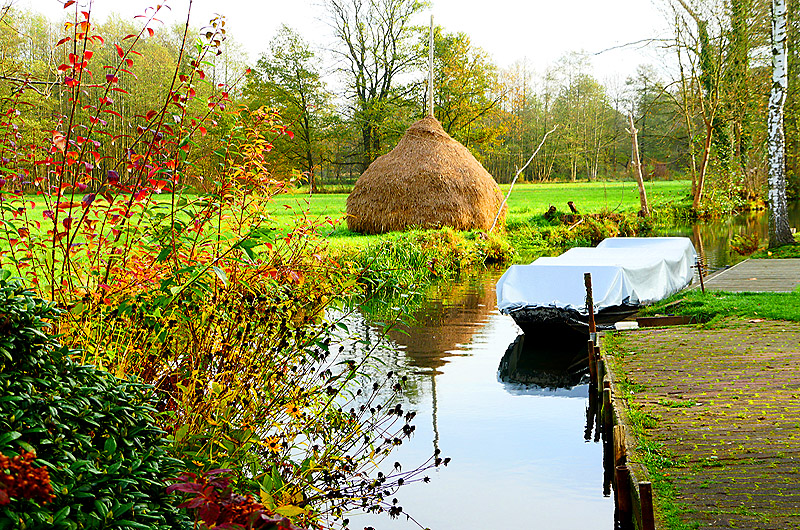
627	273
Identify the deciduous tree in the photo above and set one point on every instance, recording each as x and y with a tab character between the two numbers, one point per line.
288	79
375	49
466	85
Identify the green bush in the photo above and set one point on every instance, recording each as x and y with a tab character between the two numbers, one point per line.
93	432
404	261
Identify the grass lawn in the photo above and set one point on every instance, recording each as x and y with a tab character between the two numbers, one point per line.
527	200
714	305
591	197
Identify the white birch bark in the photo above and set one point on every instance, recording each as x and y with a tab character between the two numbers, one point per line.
779	233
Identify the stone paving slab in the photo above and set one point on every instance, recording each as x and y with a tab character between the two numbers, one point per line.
726	404
758	276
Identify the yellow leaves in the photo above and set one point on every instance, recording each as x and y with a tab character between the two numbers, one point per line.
290	510
215	387
266	499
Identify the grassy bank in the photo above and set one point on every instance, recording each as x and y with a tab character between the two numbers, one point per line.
712	306
786	251
526	227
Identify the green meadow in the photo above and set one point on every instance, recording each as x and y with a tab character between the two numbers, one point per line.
526	201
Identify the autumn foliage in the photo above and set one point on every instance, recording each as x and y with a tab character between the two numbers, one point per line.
21	479
157	248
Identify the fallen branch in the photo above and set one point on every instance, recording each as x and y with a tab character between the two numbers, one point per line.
496	217
575	224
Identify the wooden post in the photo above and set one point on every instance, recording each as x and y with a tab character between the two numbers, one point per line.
587	280
601	373
623	486
700	274
638	165
430	71
607	414
592	363
646	503
620	456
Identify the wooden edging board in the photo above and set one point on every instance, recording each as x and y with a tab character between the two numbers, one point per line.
624	441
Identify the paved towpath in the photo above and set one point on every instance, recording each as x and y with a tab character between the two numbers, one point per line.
722	410
758	276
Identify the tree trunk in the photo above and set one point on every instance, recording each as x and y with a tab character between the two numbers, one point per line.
689	128
701	173
638	168
366	138
741	45
779	232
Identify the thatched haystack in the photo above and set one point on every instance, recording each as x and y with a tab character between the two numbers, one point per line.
428	181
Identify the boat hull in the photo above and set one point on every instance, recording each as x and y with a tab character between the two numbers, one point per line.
548	320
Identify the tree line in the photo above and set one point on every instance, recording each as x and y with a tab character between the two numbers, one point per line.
701	115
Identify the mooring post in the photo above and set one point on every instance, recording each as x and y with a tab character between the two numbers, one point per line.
623	486
601	374
587	280
646	503
608	415
699	263
620	456
592	363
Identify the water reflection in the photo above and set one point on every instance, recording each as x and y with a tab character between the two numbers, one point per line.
712	238
448	319
513	444
531	364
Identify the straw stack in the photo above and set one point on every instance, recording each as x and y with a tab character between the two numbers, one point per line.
428	181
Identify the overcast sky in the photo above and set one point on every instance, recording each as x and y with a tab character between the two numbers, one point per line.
538	31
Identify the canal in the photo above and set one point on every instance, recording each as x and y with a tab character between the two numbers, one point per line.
510	411
519	457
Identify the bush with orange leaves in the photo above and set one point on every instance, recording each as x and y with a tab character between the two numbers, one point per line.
20	479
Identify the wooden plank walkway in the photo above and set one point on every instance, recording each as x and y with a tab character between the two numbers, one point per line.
758	276
721	415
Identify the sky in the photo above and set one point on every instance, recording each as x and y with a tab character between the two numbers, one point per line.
536	31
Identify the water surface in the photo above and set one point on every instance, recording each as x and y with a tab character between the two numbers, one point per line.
712	239
519	459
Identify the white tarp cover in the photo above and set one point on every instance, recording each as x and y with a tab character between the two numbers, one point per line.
631	271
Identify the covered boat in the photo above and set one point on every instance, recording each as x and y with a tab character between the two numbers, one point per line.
626	274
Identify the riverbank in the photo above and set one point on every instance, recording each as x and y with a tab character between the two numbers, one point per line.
714	413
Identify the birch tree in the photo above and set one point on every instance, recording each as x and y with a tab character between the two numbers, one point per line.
779	232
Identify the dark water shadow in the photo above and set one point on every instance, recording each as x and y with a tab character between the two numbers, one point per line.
546	363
